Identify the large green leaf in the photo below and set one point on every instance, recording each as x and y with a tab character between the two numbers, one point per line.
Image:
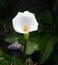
43	41
48	49
54	55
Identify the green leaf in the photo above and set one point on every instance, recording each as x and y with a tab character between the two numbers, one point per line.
17	61
8	60
54	55
43	41
12	37
31	47
48	49
12	60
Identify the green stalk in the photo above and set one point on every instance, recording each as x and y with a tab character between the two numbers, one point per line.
25	44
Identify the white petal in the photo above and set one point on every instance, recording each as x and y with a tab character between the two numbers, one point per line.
25	18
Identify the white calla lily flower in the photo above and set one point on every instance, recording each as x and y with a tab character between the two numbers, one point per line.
25	22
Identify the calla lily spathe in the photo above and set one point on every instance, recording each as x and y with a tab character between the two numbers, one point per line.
25	22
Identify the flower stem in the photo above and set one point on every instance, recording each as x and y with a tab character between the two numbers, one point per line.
25	44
